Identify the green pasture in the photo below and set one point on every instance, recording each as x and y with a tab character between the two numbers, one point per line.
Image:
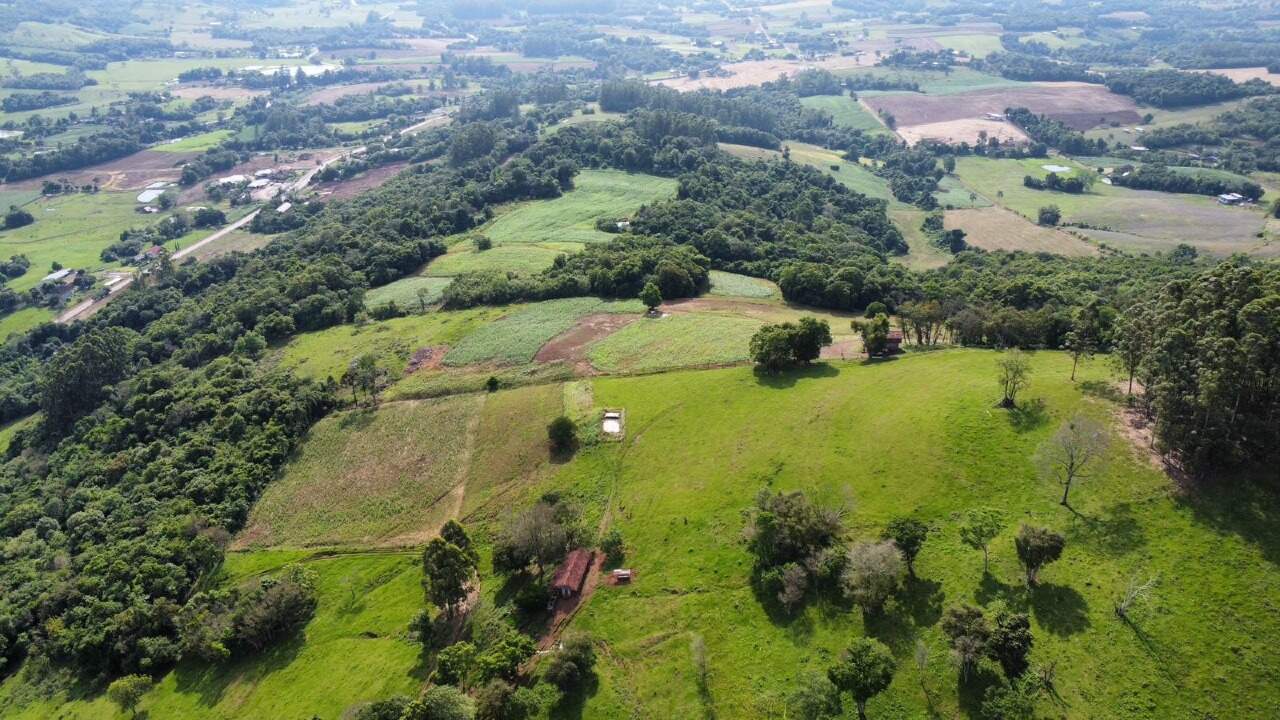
405	292
71	230
934	82
976	45
674	340
516	338
733	285
195	143
847	112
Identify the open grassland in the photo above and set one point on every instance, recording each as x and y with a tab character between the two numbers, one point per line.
919	435
1136	220
328	353
509	452
733	285
922	253
405	293
71	230
528	236
355	650
24	319
852	175
516	338
935	82
391	476
847	112
674	340
976	45
195	143
1161	118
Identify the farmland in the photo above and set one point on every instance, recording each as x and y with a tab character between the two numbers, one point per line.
847	112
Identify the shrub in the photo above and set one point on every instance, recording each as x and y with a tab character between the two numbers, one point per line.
562	433
1036	548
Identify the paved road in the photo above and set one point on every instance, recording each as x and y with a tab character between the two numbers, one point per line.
92	305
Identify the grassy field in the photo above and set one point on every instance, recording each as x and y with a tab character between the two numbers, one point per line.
516	338
847	112
922	253
328	353
195	143
852	175
676	340
404	292
355	650
528	236
733	285
25	319
390	476
934	82
977	45
71	230
1135	220
917	435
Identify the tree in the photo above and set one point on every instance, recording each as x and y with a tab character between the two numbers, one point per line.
814	699
75	380
1015	701
770	348
969	631
363	374
873	573
1085	335
808	339
573	663
17	217
127	692
539	536
1049	215
455	665
1013	371
1131	343
613	547
1010	642
562	434
1073	453
482	243
446	573
864	670
908	535
1036	548
441	702
981	526
875	334
651	296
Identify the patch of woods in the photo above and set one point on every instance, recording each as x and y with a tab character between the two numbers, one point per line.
1242	140
482	652
803	555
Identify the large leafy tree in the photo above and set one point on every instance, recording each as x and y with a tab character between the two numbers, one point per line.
864	670
76	379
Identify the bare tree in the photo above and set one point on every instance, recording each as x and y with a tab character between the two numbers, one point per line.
872	574
1134	593
1013	373
1074	453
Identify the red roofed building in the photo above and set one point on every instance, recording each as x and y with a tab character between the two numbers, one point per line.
572	573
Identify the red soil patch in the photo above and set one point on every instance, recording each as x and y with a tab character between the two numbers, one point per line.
346	189
1079	105
427	358
841	350
571	345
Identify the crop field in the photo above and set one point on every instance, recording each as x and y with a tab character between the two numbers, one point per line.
516	338
995	228
387	477
841	433
1251	73
328	353
355	650
405	292
528	236
847	112
1138	220
733	285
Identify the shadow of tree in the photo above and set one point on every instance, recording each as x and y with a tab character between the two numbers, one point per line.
210	682
572	704
991	589
971	690
1060	609
1118	533
357	419
1103	390
1247	506
891	627
787	378
923	599
1028	416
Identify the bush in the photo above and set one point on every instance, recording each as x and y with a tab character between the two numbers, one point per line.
1049	215
572	664
17	217
562	433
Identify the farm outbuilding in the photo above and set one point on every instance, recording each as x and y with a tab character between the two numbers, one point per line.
611	424
572	573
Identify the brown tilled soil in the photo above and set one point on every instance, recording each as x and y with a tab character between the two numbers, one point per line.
571	345
132	172
356	185
427	358
995	228
1080	105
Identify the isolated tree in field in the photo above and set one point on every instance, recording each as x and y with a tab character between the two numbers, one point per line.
908	535
562	433
808	339
446	572
423	295
651	296
1013	371
873	572
980	527
865	669
127	692
1010	642
1073	454
441	702
482	243
539	536
572	664
1085	336
1036	548
875	334
364	375
1049	215
1132	342
969	631
770	347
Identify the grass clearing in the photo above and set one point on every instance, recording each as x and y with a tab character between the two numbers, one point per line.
387	476
733	285
516	338
71	230
933	82
25	319
977	45
847	112
195	143
405	292
674	340
510	451
915	435
329	352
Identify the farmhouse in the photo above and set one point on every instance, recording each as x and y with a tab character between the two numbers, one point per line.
1230	199
572	573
